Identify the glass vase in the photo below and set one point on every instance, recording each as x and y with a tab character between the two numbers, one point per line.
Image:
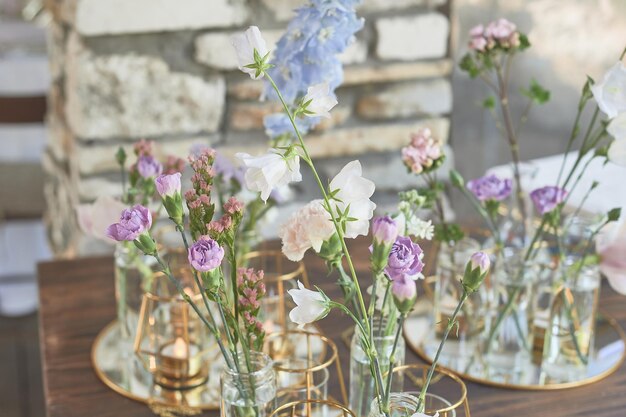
569	336
251	392
447	293
134	273
404	404
508	333
362	384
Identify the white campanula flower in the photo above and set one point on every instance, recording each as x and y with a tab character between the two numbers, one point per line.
310	305
617	152
617	127
610	94
245	45
318	101
351	197
272	170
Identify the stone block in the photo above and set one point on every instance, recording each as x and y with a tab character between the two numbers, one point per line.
407	99
373	6
407	38
122	96
282	10
215	49
114	17
398	71
97	159
247	89
249	116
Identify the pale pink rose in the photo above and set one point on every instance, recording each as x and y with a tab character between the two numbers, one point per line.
307	228
611	246
478	44
94	218
421	153
477	31
500	29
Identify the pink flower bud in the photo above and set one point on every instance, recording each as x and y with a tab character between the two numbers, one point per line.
480	260
384	230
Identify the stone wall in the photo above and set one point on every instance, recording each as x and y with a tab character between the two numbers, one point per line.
164	70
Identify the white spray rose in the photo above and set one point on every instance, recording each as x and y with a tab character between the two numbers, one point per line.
307	228
95	218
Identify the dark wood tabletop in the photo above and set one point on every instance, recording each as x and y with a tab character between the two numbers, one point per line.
77	301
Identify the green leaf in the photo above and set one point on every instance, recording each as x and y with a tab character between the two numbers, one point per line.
536	93
120	156
614	214
524	43
468	65
489	102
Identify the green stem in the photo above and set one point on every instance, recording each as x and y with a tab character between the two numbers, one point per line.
422	397
582	147
345	281
392	358
572	138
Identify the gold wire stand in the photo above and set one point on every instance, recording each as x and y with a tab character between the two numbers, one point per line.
292	409
313	364
417	374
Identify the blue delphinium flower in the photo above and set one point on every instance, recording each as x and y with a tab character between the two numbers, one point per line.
307	54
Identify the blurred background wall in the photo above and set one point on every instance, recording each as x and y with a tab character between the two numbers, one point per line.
121	70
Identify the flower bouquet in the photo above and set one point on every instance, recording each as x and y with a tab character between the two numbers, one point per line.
547	252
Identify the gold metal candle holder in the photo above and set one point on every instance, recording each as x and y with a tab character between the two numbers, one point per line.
309	408
171	341
280	276
302	362
444	385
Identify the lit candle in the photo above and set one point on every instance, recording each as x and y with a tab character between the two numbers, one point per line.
178	350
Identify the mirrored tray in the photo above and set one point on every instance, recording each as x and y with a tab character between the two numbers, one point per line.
609	354
120	370
118	367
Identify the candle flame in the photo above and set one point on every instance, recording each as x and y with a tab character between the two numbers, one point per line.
180	348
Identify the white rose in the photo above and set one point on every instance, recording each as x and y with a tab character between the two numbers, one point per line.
272	170
245	44
610	94
310	305
320	101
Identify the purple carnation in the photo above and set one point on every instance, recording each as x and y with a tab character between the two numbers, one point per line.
384	230
405	258
205	254
490	187
547	198
133	222
148	167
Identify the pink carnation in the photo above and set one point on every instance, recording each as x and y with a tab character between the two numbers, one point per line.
422	152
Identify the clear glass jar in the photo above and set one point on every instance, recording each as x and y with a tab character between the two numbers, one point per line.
362	384
569	336
252	392
405	404
451	263
508	334
134	273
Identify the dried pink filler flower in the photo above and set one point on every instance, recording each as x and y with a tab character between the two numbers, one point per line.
251	289
422	152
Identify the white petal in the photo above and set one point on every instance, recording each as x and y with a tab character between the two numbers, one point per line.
617	152
617	127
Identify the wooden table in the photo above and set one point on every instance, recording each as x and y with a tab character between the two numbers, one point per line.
77	301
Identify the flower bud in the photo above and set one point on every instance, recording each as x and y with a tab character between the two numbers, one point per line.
476	271
211	280
168	187
384	230
146	244
404	293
